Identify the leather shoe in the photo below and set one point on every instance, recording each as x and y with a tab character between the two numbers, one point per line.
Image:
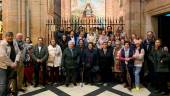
75	84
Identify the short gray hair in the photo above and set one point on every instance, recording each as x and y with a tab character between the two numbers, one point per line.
9	34
70	42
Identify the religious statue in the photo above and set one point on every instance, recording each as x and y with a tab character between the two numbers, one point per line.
88	12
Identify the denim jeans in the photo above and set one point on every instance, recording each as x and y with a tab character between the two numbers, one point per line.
3	82
137	75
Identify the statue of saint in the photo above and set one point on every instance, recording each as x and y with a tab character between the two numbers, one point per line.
88	12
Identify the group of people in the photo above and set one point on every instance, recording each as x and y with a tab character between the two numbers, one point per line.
95	57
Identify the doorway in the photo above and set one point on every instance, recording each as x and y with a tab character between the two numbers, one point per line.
164	29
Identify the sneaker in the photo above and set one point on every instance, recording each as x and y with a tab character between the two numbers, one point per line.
22	90
36	85
105	84
156	91
133	90
67	85
163	93
86	83
25	85
125	86
137	88
55	83
75	84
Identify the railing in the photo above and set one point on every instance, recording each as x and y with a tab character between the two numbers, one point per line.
87	23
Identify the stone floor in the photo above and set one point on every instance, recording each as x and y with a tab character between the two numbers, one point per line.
86	90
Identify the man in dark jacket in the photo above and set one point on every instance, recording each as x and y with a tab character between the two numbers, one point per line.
40	57
70	62
81	49
90	64
147	70
63	42
105	59
109	31
68	31
58	34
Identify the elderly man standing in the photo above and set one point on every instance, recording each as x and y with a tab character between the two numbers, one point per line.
40	57
70	62
20	67
7	60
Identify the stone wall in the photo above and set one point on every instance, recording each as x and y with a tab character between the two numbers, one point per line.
26	16
131	11
38	18
10	16
154	8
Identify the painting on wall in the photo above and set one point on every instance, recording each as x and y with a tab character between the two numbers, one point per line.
88	8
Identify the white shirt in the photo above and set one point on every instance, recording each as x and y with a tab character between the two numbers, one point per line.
72	39
126	54
39	48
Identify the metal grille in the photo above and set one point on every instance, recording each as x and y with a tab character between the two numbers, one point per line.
87	23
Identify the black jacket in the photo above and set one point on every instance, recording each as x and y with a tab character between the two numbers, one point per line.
43	54
155	57
90	58
69	61
105	60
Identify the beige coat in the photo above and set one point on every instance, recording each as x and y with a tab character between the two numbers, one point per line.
55	56
139	57
5	52
91	38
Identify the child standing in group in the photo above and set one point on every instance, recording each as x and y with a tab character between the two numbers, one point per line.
138	62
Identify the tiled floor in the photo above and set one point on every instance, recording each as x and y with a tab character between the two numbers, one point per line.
86	90
108	93
46	93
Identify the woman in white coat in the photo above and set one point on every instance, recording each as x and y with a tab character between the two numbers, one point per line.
54	61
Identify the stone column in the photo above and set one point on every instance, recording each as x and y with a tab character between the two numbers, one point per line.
27	5
127	16
62	8
21	16
58	9
14	16
109	8
10	15
38	19
133	17
66	8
